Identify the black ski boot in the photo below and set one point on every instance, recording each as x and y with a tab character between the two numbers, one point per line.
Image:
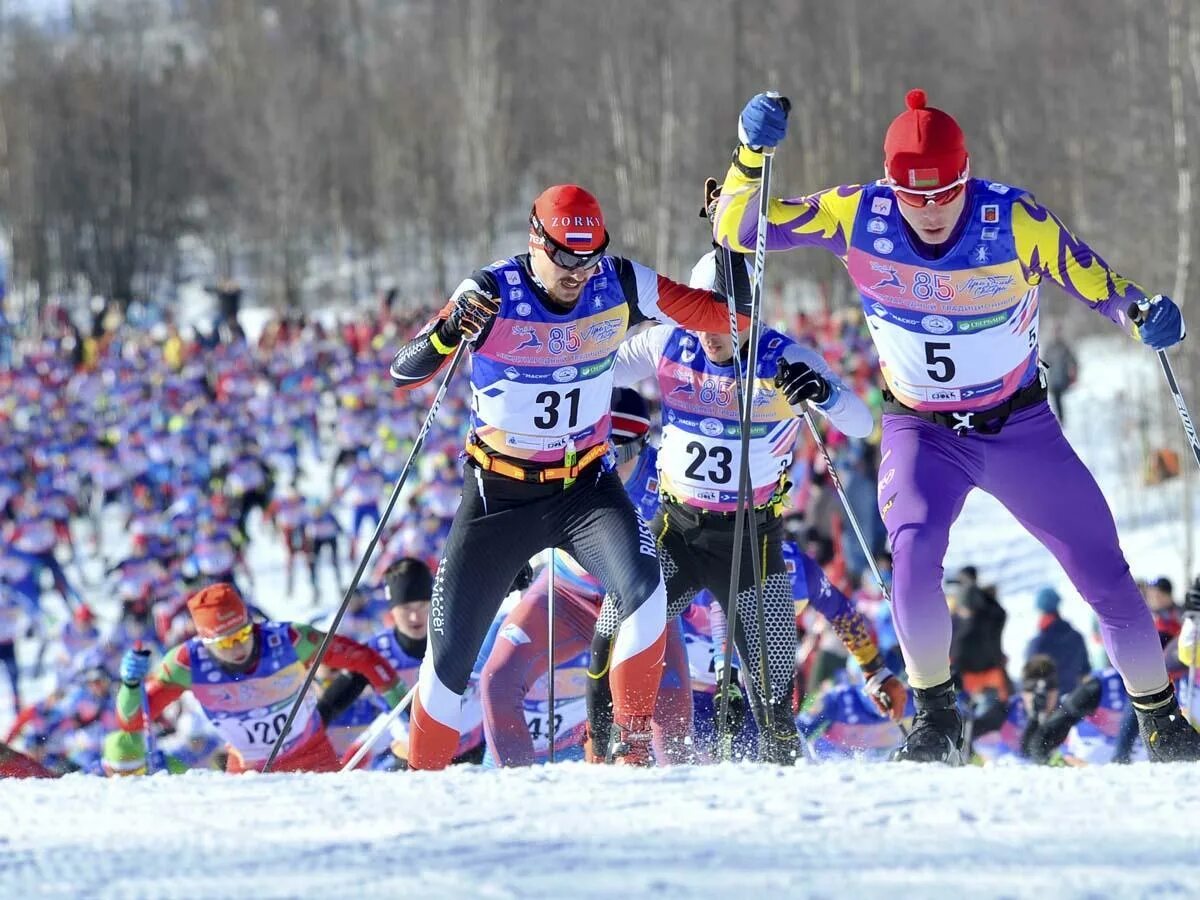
779	744
1168	735
936	734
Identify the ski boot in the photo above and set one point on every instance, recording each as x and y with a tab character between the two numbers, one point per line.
1168	735
779	742
936	734
630	745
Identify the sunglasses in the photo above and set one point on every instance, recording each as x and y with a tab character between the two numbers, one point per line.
565	257
229	641
937	197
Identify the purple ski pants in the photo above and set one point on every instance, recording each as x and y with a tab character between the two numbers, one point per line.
925	474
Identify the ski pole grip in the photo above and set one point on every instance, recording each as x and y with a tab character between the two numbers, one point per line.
1138	310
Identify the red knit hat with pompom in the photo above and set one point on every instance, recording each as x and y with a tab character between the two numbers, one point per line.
924	148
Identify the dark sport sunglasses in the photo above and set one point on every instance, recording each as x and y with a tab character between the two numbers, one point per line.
565	257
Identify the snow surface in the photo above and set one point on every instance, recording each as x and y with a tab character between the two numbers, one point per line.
834	830
841	830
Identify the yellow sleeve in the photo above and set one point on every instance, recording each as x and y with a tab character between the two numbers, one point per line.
824	219
1048	249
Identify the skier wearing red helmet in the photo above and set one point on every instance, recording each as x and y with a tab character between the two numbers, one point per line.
543	329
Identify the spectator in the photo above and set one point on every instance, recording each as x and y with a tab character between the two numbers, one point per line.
1059	641
1062	370
1167	617
976	652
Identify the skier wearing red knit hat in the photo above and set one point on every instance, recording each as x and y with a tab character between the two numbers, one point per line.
948	269
246	675
544	327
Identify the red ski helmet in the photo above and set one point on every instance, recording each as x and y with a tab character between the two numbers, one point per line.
566	222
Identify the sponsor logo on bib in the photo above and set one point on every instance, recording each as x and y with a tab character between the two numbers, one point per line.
937	324
565	374
877	226
711	427
883	245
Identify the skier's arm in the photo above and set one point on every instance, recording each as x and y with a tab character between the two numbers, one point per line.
170	678
654	296
845	410
823	220
847	622
637	358
340	695
352	656
425	355
1048	249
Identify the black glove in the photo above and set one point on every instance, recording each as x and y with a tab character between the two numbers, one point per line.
1191	600
471	313
800	383
712	193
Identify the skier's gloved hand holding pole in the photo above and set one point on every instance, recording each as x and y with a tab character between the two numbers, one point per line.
887	692
1158	323
135	666
763	122
801	384
471	313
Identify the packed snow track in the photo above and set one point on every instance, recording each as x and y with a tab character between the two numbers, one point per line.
834	830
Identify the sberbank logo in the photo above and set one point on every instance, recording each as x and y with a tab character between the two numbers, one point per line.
590	371
982	323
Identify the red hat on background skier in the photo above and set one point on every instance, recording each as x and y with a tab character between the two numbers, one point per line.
218	610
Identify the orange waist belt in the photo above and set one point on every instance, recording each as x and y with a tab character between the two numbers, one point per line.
533	474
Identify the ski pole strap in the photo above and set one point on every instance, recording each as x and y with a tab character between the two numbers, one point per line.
982	421
534	474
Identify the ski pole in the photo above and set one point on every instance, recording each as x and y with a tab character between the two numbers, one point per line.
362	563
550	729
1137	313
746	410
377	728
837	483
1191	680
745	391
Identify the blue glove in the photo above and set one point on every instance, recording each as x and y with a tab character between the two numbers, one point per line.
763	122
135	665
1161	326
